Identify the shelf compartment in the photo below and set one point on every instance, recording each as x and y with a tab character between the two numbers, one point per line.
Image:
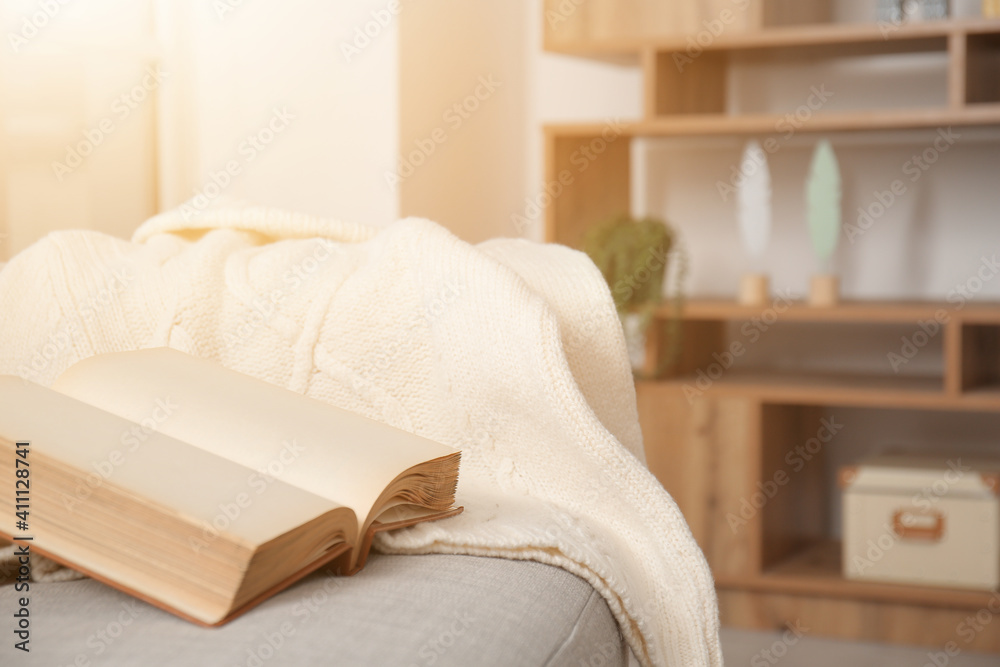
587	179
689	82
982	72
980	365
791	489
965	349
588	28
815	570
765	352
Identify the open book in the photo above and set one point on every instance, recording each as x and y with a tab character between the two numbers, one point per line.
200	489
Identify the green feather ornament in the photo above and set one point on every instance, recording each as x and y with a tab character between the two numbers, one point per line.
823	194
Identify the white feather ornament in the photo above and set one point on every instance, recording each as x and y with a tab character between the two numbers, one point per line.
753	198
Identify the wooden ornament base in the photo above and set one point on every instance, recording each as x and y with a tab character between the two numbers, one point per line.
755	290
824	291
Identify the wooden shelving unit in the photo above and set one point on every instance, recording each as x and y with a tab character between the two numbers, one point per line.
874	38
713	448
692	101
966	382
816	570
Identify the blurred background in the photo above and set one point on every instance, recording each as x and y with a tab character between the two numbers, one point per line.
356	100
363	96
465	112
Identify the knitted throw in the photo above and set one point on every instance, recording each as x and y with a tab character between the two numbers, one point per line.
508	349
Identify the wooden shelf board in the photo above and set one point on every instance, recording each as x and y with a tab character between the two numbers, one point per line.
825	389
816	571
925	393
846	34
982	314
864	312
765	124
986	394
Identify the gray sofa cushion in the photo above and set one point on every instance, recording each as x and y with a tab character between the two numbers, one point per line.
435	610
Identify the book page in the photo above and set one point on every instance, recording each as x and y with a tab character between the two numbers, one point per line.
188	482
334	453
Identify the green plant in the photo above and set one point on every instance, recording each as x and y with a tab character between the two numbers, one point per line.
633	256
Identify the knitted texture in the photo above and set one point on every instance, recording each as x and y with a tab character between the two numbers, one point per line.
509	350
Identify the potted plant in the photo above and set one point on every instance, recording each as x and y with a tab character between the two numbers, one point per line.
634	255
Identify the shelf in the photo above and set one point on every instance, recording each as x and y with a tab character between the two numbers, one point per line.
966	379
714	452
766	124
837	390
833	390
885	37
816	570
874	312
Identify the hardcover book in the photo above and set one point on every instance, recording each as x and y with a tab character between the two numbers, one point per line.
203	490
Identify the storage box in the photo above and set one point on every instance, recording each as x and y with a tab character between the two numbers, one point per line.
922	521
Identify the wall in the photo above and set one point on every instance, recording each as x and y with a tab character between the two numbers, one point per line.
77	108
487	170
301	95
303	105
463	129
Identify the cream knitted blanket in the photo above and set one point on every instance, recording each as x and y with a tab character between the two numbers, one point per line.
510	350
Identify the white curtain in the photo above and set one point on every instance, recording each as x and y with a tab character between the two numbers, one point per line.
78	106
